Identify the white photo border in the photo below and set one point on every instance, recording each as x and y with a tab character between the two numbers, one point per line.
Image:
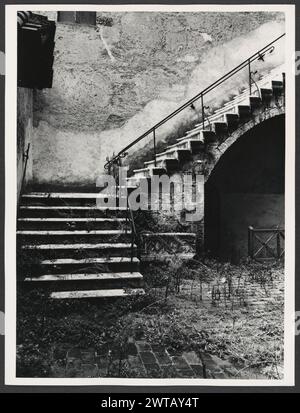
11	198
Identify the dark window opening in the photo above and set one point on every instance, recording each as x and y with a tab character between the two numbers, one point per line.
80	17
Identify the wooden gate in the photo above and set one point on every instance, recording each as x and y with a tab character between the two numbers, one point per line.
266	243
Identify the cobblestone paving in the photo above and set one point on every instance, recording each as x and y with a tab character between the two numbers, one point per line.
142	360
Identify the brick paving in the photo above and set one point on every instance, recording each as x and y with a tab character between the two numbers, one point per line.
145	360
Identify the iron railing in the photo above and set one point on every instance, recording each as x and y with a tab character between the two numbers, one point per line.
25	161
134	235
247	63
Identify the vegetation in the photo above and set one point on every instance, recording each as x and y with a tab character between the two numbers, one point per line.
234	312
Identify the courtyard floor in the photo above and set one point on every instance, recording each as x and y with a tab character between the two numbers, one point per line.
203	324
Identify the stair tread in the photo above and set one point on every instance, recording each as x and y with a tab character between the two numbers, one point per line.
93	208
120	292
77	246
71	232
89	260
83	277
67	219
63	195
141	170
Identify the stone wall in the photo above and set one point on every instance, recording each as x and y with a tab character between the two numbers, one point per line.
113	81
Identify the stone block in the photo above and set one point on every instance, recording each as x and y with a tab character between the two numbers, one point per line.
198	370
191	357
182	373
163	358
153	370
180	362
143	346
147	357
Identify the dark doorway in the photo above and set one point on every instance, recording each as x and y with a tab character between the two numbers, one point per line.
246	188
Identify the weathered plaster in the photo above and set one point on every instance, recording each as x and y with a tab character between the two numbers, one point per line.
99	104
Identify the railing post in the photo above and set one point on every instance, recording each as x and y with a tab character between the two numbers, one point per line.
25	160
250	77
202	111
154	146
250	242
283	81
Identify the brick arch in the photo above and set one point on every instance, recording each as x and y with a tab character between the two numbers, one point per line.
245	184
218	151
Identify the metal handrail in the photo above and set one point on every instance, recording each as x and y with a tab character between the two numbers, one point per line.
134	234
256	56
25	159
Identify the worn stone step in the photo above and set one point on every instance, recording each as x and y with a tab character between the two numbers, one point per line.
277	87
158	171
118	190
171	164
89	265
66	198
244	111
91	294
196	133
255	102
79	250
220	128
86	281
56	236
183	155
141	173
195	146
71	223
29	211
266	95
232	120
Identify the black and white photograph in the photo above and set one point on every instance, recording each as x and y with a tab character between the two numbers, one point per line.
149	195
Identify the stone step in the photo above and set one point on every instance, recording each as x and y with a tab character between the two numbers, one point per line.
29	211
66	198
266	95
183	155
277	87
195	146
244	111
255	102
114	293
90	281
118	191
171	164
220	128
82	250
82	236
157	171
232	120
199	134
88	265
71	223
141	173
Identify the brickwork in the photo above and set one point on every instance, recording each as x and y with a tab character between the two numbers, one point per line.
144	360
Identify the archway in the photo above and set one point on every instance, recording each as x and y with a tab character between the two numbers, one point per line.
246	187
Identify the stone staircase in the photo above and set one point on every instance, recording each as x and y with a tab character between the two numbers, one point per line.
74	249
216	127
